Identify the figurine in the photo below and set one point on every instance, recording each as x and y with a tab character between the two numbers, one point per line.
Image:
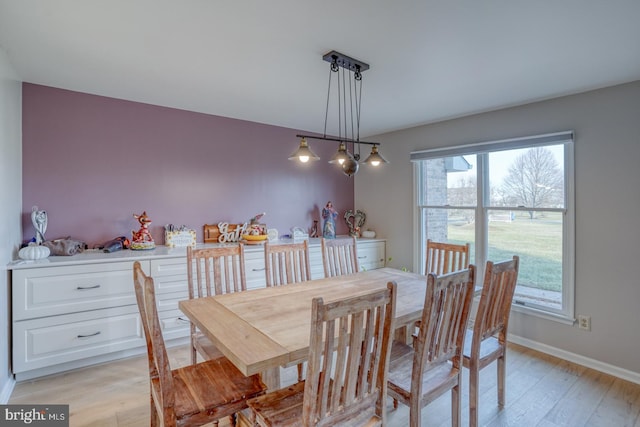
255	228
356	223
314	229
39	220
329	214
142	239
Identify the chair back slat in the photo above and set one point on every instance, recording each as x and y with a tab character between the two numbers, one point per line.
444	318
443	258
339	256
216	271
286	263
499	285
348	360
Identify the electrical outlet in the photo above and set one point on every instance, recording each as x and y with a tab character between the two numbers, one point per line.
584	322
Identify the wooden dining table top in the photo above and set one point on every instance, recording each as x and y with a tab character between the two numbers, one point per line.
266	328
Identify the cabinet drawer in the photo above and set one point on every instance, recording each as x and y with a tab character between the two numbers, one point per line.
59	290
40	343
254	270
371	255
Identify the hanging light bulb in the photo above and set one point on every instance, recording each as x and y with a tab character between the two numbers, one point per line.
341	155
303	153
375	158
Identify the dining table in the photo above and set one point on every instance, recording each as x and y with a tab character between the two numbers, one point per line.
264	329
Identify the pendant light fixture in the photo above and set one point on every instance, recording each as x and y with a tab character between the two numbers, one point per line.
348	95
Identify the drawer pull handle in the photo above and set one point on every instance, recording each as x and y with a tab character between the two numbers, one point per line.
89	336
362	257
84	288
258	269
182	319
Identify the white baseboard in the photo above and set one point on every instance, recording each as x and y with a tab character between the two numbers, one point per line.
616	371
6	391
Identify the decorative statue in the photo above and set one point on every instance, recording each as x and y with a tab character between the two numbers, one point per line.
314	229
355	221
39	220
329	214
142	239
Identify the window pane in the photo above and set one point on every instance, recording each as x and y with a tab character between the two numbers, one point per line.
450	181
538	243
531	177
451	226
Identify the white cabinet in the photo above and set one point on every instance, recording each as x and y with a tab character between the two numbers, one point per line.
64	314
69	312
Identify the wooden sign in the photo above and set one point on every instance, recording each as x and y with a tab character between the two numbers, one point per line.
223	232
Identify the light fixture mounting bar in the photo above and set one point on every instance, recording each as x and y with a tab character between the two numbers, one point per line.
326	138
345	61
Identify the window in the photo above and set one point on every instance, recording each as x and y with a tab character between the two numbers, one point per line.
510	197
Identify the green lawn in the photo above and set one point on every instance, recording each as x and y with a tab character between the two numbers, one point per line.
537	242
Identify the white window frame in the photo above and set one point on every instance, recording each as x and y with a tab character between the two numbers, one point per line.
567	313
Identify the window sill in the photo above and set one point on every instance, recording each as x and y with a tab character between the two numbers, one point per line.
556	317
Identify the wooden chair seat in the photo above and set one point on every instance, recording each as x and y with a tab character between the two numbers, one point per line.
440	379
211	390
490	349
284	408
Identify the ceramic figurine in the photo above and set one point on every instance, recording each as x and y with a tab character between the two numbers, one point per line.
314	229
142	239
255	228
39	220
355	221
329	214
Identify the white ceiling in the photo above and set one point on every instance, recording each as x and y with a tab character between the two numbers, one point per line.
262	60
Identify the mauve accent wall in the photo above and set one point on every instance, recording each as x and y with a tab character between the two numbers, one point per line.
92	162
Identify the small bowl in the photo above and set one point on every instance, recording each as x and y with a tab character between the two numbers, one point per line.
253	237
368	234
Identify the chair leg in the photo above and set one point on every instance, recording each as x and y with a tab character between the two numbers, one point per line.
501	379
300	375
155	421
415	413
455	405
194	355
474	376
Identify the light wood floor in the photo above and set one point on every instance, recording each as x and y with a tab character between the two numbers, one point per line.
541	391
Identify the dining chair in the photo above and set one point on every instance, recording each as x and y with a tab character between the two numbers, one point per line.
443	258
489	339
349	346
420	373
213	271
195	394
339	256
286	263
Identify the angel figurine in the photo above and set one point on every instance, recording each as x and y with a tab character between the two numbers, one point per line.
39	220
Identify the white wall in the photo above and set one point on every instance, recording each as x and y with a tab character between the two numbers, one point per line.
10	204
607	173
